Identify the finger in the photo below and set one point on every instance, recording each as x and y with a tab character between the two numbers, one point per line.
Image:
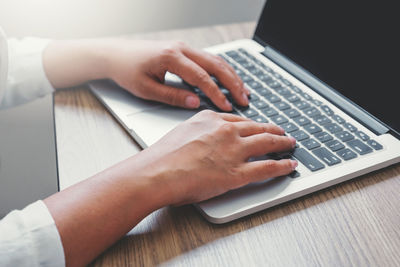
171	95
264	169
247	128
197	76
265	143
233	118
225	74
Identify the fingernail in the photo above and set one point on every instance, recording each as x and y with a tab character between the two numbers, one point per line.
245	98
282	130
294	164
192	102
293	140
228	104
247	91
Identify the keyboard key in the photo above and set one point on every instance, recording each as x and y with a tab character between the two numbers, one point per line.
265	77
323	154
359	147
277	75
239	72
294	174
338	119
289	127
247	65
292	113
344	136
263	91
302	105
286	82
346	154
260	104
253	97
254	84
279	119
259	119
334	145
296	89
333	127
350	127
328	111
232	53
362	135
302	120
256	71
307	159
269	112
282	105
306	96
250	112
274	84
283	91
311	112
374	144
300	135
273	98
293	98
246	78
322	119
312	128
323	137
310	144
317	102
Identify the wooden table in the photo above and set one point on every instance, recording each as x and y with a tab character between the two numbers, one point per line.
355	223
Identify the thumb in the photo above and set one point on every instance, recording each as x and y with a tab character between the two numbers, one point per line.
173	96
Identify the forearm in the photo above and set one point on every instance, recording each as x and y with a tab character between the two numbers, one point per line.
69	63
92	215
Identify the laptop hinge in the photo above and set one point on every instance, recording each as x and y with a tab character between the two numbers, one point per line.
345	104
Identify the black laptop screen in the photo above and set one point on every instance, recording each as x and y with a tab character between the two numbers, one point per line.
352	45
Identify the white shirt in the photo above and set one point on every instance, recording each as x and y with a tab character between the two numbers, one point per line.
28	237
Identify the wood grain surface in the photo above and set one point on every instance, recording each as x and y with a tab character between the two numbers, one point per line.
356	223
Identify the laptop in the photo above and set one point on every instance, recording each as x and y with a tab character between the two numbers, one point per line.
325	71
28	159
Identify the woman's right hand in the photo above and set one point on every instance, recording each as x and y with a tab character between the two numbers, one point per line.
208	155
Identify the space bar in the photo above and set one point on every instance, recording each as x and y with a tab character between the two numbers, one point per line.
307	159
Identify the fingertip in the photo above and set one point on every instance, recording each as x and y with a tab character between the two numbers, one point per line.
192	102
246	90
293	140
245	99
227	105
282	131
294	164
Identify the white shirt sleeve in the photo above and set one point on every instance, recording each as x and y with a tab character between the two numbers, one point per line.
26	78
29	237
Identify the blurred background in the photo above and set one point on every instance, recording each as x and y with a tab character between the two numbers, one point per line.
96	18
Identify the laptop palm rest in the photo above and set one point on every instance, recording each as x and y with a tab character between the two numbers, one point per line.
150	125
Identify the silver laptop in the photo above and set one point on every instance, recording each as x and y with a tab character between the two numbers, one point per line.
324	71
28	159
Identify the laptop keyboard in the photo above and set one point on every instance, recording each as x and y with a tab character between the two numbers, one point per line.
324	138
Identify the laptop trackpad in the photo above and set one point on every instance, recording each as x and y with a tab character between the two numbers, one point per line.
152	124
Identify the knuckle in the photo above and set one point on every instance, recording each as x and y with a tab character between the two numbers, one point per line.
270	165
273	140
203	77
168	54
208	113
220	62
179	45
227	129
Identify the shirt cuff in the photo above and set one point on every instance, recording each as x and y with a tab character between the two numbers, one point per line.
26	79
29	237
